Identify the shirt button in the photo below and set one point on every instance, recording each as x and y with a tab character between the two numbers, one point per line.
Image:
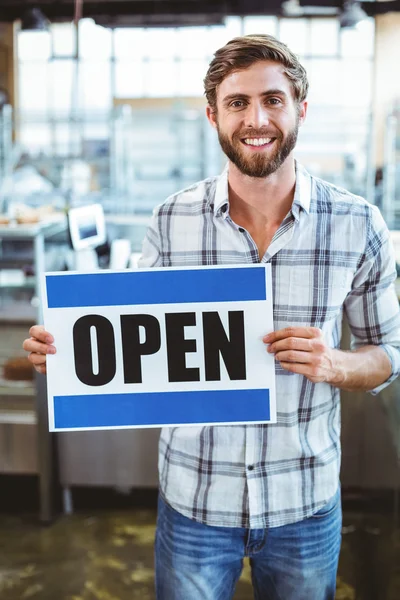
250	467
241	229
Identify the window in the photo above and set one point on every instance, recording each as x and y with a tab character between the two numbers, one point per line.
62	76
95	86
160	78
34	86
35	138
219	35
129	79
295	33
193	42
129	43
94	41
142	62
160	43
191	75
260	24
324	37
63	39
34	46
359	42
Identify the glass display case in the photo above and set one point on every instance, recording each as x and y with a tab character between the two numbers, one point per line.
26	250
390	201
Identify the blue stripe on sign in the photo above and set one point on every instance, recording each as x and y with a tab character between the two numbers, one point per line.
156	287
162	408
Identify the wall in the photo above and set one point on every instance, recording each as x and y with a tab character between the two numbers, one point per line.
7	59
386	79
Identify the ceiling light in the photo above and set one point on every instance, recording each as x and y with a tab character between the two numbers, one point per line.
351	14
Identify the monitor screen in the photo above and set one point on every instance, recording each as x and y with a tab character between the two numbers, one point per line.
87	226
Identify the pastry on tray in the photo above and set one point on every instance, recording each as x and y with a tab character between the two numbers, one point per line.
18	369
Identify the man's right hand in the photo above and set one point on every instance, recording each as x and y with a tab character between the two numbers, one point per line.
39	345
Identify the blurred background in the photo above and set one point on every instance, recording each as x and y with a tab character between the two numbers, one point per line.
102	116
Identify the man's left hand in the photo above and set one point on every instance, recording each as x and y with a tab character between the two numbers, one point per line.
303	350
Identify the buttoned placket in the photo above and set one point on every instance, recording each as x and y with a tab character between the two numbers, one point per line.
282	237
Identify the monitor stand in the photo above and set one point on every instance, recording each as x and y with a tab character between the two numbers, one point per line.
86	260
119	254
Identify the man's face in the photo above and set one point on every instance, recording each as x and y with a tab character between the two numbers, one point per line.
257	118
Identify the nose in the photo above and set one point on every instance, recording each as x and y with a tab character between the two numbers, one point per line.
256	116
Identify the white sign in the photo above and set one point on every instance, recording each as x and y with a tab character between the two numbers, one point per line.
159	347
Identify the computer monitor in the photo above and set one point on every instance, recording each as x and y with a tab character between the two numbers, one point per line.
87	226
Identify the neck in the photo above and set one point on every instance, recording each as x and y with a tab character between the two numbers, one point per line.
267	199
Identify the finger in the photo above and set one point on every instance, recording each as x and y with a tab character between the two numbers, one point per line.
300	369
291	343
37	359
39	332
32	345
298	332
293	356
41	369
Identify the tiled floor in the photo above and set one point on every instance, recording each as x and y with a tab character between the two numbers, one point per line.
108	555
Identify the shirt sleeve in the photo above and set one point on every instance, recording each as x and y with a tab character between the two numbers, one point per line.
151	246
372	306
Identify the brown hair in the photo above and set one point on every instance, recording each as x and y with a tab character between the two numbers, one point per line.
242	52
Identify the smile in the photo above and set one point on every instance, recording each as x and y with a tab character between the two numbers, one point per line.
257	141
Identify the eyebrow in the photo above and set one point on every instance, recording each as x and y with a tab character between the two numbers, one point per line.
273	92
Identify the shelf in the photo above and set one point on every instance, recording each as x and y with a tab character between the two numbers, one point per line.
25	441
17	388
17	402
19	313
28	284
18	417
48	227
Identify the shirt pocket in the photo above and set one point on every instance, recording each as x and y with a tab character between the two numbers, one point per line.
319	294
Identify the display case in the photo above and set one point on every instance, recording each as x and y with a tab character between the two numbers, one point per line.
26	250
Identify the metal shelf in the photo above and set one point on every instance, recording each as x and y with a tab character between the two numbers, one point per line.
18	417
23	315
28	284
26	446
50	226
17	388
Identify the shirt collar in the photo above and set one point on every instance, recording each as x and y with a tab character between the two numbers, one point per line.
221	201
302	192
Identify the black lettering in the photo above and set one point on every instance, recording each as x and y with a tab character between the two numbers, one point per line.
216	342
133	349
178	346
83	350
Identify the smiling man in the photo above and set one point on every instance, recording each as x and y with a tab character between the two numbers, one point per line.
270	492
276	132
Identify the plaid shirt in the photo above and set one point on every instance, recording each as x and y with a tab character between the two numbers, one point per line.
331	253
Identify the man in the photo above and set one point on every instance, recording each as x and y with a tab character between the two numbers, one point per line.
270	492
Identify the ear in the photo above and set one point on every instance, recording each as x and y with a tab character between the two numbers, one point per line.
302	111
211	116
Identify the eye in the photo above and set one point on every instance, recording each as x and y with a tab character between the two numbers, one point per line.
237	104
274	101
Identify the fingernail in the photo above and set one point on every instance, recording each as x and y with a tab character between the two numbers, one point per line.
267	337
52	350
49	339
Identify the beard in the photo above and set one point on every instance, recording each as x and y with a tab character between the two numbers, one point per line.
260	164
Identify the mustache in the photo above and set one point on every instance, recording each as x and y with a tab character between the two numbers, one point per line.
259	133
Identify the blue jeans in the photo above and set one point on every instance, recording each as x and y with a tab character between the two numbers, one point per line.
293	562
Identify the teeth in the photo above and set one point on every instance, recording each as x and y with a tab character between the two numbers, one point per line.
257	141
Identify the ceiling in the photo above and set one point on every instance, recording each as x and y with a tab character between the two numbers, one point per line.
178	12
